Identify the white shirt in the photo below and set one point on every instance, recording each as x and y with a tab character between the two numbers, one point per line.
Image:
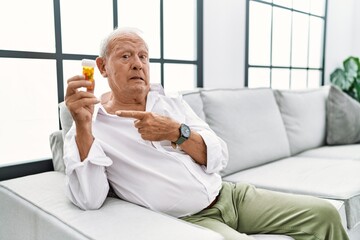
150	174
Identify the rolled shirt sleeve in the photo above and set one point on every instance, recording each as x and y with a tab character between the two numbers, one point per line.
86	181
217	153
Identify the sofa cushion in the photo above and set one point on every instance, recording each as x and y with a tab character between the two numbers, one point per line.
194	100
351	151
57	138
304	115
343	118
249	121
66	119
327	178
39	200
56	145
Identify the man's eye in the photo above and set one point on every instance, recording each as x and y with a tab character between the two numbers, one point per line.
144	57
125	56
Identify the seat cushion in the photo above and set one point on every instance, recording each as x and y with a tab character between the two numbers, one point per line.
35	207
351	151
304	115
249	121
327	178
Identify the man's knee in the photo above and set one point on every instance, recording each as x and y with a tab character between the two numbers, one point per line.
325	212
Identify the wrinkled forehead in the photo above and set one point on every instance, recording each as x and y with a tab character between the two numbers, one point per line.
123	39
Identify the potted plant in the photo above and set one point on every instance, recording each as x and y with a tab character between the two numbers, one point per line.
348	79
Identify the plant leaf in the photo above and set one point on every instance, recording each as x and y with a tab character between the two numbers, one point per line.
357	88
351	67
339	78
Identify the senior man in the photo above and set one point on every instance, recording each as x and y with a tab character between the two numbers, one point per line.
155	152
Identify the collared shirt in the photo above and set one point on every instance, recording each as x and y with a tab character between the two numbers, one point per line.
148	173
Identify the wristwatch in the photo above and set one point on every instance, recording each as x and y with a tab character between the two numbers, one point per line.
184	134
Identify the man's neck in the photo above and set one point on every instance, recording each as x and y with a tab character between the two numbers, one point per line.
113	104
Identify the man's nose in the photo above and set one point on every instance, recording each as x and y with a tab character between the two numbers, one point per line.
137	64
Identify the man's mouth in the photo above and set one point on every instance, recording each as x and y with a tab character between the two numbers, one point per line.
137	78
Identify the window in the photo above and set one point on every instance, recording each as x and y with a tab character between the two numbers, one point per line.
43	43
285	43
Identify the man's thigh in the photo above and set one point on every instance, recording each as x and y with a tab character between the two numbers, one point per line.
264	211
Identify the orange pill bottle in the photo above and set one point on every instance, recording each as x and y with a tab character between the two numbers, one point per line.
88	66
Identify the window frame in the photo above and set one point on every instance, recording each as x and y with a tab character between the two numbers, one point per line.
59	56
270	66
32	166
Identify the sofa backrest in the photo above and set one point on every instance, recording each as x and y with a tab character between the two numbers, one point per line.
193	98
249	121
304	116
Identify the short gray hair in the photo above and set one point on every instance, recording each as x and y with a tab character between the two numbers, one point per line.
117	32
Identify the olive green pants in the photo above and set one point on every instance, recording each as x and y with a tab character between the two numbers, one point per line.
242	209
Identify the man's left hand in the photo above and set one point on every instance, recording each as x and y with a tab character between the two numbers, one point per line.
153	127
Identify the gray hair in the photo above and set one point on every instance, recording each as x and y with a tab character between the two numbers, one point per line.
118	32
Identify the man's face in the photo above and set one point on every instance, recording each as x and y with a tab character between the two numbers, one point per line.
127	65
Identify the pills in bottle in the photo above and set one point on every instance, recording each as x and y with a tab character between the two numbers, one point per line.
88	66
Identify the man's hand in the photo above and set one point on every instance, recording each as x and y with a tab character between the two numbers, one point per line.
81	107
80	103
153	127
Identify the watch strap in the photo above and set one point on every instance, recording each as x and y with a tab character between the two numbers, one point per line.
184	134
180	140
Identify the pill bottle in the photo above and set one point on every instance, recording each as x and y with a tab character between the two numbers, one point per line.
88	71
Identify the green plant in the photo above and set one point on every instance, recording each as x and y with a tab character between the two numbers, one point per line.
348	79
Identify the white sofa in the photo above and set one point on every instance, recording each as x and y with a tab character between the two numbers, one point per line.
277	140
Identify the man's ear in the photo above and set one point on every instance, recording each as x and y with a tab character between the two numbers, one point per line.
100	63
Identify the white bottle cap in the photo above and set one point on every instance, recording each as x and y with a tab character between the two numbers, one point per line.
88	63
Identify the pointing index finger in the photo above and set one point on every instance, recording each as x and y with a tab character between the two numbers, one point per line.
131	114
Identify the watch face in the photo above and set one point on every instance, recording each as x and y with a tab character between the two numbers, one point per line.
185	131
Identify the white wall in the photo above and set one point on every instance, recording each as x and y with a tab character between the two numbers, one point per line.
343	33
356	43
224	39
224	43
